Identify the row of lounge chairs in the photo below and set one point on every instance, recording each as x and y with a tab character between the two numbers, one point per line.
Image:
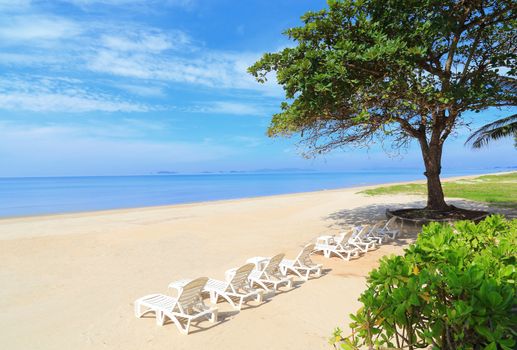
249	282
356	240
258	276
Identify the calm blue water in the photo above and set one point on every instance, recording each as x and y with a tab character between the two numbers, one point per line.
49	195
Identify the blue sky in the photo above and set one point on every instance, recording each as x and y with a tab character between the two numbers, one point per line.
110	87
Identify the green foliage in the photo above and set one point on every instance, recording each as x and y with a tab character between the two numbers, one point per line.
455	288
404	68
363	71
495	189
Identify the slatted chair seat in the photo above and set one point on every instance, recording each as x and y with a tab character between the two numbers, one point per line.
302	265
184	309
338	245
360	240
237	290
270	277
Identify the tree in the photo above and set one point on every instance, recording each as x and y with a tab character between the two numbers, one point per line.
395	70
505	127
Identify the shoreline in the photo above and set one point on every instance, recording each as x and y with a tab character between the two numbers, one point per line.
215	201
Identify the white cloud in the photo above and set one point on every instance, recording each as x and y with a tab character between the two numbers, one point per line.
233	108
138	59
24	59
153	41
36	28
58	95
143	90
42	102
210	69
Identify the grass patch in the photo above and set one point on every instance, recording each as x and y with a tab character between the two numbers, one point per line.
494	189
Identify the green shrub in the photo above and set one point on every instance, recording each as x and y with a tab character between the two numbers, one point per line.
455	288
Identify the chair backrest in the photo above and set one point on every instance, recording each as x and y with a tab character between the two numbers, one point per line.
240	278
360	232
303	257
378	225
373	229
272	266
390	222
190	294
344	237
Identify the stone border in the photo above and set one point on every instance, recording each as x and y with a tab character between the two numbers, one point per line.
403	220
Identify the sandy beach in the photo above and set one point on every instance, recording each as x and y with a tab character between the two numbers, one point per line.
69	281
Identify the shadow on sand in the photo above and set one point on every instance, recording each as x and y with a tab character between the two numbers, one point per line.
370	214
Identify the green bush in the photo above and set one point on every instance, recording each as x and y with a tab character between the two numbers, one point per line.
455	288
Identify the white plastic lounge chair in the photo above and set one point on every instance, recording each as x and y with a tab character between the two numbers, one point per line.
184	309
371	234
237	290
303	266
271	275
358	239
388	230
338	245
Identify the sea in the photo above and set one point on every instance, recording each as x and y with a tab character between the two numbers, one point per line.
26	196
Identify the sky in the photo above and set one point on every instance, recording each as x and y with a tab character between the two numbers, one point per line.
124	87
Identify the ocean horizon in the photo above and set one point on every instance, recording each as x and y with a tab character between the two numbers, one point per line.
27	196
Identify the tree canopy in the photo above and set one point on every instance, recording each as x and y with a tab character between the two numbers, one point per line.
367	69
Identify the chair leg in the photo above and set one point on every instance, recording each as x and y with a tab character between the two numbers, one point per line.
230	301
213	297
341	256
260	295
182	328
290	283
214	315
160	318
297	272
263	286
138	311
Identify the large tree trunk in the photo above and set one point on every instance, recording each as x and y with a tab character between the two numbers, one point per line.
432	154
435	197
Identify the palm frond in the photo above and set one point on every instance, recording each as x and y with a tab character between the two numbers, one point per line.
493	131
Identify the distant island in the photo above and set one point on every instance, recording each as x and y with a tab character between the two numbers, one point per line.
266	170
166	172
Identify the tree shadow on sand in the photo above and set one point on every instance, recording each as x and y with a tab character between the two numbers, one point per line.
371	214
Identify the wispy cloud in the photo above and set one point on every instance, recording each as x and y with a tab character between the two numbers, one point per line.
232	108
210	69
143	90
59	95
124	50
142	40
37	28
114	58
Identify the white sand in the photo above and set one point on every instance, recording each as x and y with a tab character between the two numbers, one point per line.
69	281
